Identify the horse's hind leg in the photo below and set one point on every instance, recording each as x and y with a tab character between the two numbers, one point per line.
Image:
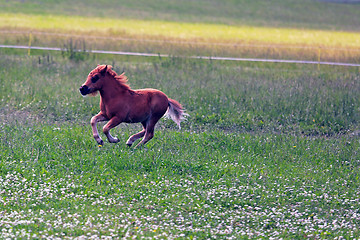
111	124
149	131
136	136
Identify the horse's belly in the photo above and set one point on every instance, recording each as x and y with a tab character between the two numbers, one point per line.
135	116
135	119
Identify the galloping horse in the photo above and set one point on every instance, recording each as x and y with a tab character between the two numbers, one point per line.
119	103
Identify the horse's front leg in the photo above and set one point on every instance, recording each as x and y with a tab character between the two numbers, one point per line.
113	122
94	120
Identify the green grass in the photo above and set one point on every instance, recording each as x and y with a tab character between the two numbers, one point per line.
250	161
183	184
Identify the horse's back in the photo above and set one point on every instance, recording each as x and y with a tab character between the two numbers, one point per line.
153	94
156	100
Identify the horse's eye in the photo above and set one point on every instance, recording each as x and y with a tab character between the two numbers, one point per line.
94	79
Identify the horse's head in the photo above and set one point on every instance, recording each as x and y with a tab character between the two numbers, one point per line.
94	81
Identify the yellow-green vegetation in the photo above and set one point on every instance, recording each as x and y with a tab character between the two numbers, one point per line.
182	31
199	38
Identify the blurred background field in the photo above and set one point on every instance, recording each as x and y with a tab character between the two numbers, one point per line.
259	29
306	14
270	150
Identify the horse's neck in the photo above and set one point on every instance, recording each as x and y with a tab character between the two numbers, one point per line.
110	91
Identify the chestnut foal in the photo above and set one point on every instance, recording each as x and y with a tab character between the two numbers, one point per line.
119	103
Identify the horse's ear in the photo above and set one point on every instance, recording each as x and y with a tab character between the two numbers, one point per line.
103	71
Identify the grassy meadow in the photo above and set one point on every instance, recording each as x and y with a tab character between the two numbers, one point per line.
270	151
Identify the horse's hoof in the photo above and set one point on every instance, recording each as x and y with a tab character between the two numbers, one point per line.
129	142
114	140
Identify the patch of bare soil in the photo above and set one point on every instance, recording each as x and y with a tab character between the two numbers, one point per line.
9	116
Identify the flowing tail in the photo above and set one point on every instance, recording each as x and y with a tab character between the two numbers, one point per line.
176	112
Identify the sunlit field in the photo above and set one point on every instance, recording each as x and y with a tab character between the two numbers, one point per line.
269	151
181	31
179	39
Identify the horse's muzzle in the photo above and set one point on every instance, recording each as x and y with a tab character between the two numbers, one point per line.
84	90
